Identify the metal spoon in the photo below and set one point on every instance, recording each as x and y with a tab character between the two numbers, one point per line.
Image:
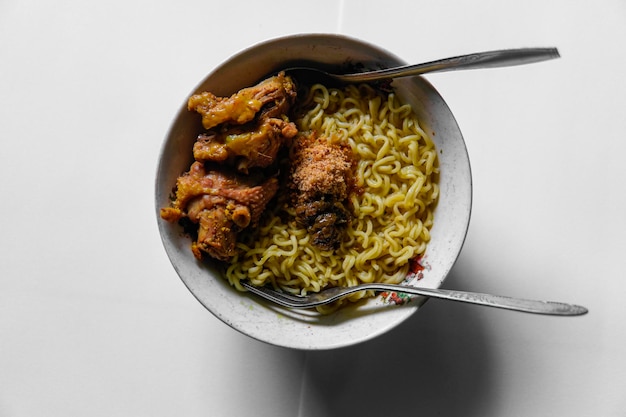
490	59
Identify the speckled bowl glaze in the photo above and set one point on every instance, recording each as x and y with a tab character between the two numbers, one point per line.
355	323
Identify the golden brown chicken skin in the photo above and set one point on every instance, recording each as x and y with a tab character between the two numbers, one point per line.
247	129
245	147
270	98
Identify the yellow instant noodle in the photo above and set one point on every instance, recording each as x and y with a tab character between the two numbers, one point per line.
396	169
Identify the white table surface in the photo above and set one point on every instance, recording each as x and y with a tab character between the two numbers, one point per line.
95	322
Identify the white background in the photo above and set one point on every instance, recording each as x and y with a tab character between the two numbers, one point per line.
95	322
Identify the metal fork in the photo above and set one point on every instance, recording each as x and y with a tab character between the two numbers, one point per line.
333	294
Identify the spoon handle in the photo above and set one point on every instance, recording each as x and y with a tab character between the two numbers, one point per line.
491	59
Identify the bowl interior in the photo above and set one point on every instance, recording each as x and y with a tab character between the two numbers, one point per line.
355	323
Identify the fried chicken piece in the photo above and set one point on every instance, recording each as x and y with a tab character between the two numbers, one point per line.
222	203
245	146
244	131
321	179
270	98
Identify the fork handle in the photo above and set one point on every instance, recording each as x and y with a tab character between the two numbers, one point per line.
499	301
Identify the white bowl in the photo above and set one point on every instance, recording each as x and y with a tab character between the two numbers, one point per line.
354	323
